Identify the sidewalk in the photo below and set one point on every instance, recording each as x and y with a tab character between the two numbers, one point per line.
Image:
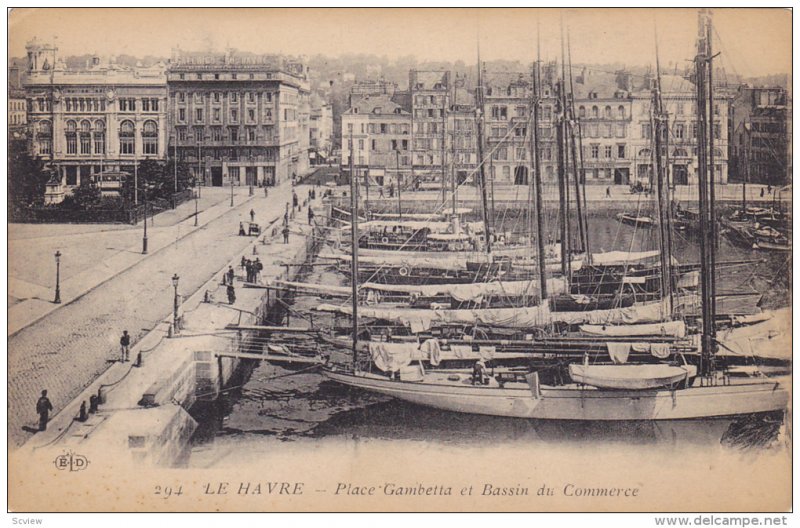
64	351
164	358
36	301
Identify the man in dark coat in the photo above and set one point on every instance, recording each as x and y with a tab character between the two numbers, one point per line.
43	408
125	346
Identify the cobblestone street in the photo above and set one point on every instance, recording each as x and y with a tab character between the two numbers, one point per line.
68	348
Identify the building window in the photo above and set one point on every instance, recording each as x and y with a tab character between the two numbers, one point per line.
717	129
217	96
521	111
609	132
521	154
679	131
251	133
234	97
181	133
621	151
595	151
71	135
216	133
361	144
607	112
150	138
506	173
679	108
125	105
234	133
86	137
44	136
182	115
234	115
621	112
216	115
198	98
251	97
547	113
268	97
127	134
233	173
694	130
251	115
595	112
608	151
198	115
582	111
646	132
620	131
181	97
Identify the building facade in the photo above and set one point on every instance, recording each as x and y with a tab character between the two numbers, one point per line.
17	105
239	119
760	150
320	131
429	93
105	117
376	132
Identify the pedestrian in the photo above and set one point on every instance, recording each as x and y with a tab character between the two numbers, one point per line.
125	346
608	192
252	215
244	261
295	200
231	294
43	408
478	373
265	190
250	271
241	229
286	234
258	266
82	416
380	193
286	216
762	192
310	194
230	275
769	189
310	215
391	190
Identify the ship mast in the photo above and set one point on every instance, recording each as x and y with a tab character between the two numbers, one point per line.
563	184
481	171
661	148
575	132
354	259
702	61
537	169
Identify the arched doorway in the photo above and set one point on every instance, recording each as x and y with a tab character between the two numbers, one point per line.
521	175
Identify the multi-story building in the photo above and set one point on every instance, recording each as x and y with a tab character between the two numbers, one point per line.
376	132
429	93
461	153
105	117
678	97
17	105
760	147
362	89
603	107
320	130
239	119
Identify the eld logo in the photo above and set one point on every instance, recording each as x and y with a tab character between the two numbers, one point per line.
70	461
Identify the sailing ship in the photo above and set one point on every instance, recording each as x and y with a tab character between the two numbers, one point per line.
665	381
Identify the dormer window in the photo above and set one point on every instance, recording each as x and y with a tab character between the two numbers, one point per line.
355	110
377	110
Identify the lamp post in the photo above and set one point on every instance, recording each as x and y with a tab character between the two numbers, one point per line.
195	207
231	178
144	236
57	300
399	202
175	280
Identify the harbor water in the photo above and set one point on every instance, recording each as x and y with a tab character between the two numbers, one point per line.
272	405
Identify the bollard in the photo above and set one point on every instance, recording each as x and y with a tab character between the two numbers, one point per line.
171	331
206	297
92	404
82	416
101	395
139	360
255	252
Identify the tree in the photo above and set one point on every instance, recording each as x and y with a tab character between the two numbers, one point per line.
87	195
185	178
27	176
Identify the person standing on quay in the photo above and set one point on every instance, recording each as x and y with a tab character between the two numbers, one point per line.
252	216
125	346
310	215
286	234
43	408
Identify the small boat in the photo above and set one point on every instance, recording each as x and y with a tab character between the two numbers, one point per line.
632	377
636	220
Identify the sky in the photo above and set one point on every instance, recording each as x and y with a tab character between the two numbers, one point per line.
752	41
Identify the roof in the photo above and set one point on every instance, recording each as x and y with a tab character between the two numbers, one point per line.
427	80
368	105
463	97
605	85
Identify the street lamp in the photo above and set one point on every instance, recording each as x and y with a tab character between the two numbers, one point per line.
175	280
231	178
195	207
144	236
57	300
